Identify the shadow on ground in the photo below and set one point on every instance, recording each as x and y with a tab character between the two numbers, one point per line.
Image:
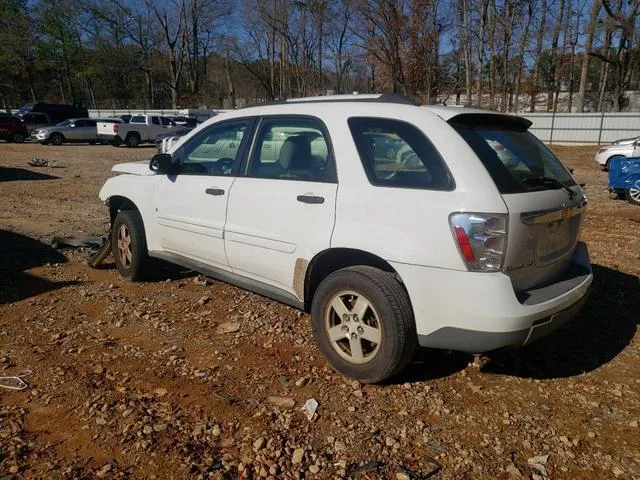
11	174
603	329
605	326
22	253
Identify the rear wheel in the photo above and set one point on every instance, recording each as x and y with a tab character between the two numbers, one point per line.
129	245
363	323
56	139
633	194
116	142
133	140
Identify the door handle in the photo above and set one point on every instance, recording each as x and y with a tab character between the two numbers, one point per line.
310	199
214	191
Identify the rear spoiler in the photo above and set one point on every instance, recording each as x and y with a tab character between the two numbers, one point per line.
494	119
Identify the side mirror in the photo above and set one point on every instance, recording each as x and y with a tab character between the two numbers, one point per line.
161	163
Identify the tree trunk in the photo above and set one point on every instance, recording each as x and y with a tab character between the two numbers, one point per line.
492	53
604	70
484	5
520	61
551	104
466	48
536	67
232	91
588	47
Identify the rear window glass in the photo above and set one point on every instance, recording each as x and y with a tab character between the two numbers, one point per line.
516	160
396	154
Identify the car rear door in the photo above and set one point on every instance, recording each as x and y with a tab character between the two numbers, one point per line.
191	204
282	212
545	204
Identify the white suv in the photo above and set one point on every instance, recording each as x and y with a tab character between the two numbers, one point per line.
458	231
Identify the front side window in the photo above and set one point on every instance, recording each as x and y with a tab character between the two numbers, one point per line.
396	154
516	160
155	120
165	121
138	119
295	148
216	150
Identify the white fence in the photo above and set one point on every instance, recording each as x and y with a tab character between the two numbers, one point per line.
584	128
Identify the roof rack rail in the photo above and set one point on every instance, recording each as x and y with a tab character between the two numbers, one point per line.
350	97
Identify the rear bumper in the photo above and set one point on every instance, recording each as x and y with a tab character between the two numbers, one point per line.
479	312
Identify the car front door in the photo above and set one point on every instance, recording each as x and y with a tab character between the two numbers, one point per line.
281	212
191	205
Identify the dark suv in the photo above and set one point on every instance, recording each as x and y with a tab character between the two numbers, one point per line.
12	129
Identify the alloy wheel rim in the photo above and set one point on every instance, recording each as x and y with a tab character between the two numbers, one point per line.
124	246
353	327
634	191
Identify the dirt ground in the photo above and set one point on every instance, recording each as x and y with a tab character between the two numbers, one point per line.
176	378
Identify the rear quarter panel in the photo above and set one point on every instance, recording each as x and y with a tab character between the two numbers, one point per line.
408	225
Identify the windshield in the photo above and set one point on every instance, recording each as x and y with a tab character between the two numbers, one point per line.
516	160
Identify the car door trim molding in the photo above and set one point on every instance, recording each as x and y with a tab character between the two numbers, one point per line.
254	286
258	241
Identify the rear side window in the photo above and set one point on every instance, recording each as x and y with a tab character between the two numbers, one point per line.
516	160
396	154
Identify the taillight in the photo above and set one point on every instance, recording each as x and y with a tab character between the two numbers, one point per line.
116	128
481	239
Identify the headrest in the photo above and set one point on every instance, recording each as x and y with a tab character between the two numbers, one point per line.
295	152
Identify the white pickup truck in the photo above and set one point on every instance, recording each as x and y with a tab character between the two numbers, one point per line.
140	129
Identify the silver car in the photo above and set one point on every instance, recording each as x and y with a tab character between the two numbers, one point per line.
71	130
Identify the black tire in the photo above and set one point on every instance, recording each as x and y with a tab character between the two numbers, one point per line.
134	266
633	194
56	138
608	164
132	140
387	298
116	143
17	137
92	142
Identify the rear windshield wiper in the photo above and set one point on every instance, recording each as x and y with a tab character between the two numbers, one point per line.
543	180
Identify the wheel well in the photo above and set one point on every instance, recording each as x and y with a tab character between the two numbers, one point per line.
608	163
117	203
328	261
133	134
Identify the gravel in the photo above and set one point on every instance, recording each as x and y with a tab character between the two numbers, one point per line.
185	377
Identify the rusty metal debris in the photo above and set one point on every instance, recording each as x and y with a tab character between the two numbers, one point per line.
101	255
101	245
41	162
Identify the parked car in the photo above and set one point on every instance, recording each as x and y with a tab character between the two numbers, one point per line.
70	131
626	141
140	129
33	121
56	112
12	129
605	155
624	179
165	141
464	252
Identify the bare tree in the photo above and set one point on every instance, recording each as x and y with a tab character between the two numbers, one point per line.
596	6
